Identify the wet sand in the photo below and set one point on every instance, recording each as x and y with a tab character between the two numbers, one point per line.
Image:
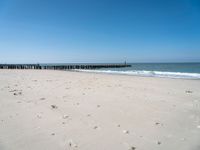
60	110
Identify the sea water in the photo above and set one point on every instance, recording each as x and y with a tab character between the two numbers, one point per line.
168	70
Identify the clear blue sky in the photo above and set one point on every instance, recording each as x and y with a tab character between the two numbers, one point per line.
48	31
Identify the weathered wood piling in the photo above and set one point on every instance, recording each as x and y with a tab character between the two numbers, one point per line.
62	67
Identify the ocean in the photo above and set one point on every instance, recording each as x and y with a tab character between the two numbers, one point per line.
166	70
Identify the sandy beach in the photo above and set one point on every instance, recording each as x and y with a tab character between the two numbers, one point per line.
62	110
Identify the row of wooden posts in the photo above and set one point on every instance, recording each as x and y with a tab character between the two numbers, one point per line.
61	67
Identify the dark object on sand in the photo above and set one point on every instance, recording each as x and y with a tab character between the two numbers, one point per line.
54	107
132	148
188	91
157	123
159	143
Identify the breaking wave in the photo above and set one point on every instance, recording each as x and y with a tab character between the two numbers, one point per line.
149	73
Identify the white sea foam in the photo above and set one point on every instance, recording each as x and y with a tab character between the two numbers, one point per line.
149	73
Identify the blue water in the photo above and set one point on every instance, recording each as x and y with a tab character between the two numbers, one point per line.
168	70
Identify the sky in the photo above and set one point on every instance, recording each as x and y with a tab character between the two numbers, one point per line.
99	31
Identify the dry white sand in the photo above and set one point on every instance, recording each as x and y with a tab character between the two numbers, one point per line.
58	110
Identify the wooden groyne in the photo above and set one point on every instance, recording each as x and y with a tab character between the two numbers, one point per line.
62	67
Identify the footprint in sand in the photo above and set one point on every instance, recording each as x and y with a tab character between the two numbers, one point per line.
39	116
72	144
42	98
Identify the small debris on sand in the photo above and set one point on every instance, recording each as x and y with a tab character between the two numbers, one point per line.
157	123
13	91
132	148
118	125
188	91
19	93
98	106
65	116
54	106
72	144
95	127
52	133
158	142
42	98
125	131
